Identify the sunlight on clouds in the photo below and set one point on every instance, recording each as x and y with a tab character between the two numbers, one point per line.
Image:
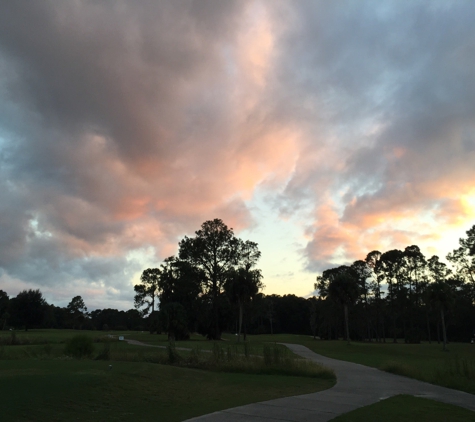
468	204
255	46
318	133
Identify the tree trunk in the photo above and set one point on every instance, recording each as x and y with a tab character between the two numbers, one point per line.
215	334
444	334
428	327
346	325
394	330
240	320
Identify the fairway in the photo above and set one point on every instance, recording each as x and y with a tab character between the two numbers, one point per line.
39	383
64	390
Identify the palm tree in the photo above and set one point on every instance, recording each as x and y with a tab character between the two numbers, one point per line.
344	289
146	292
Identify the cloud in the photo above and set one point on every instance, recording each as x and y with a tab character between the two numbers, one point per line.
385	97
125	125
128	126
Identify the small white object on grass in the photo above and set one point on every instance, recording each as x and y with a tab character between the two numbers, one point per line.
121	337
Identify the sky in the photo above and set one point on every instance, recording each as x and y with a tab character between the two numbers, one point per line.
322	130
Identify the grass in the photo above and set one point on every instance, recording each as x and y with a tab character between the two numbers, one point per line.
405	408
426	362
86	390
39	382
47	336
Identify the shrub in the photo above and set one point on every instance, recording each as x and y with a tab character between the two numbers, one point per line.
457	367
195	356
218	353
79	346
47	349
399	369
247	350
105	354
173	356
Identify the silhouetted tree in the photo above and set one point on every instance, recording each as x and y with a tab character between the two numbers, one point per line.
181	283
4	303
343	289
242	286
145	294
174	321
441	296
215	252
314	314
463	259
389	267
77	311
28	308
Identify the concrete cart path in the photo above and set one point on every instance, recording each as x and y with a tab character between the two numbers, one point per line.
139	343
357	386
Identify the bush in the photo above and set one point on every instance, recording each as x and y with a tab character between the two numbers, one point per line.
47	349
173	356
105	354
457	367
79	346
398	368
218	353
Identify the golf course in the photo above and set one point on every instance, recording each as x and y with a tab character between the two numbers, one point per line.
44	378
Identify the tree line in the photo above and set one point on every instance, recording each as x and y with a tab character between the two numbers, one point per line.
400	294
262	315
29	309
213	285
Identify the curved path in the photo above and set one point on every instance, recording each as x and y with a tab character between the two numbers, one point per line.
357	386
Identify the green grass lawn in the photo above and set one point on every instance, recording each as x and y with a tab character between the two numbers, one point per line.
405	408
46	335
86	390
39	383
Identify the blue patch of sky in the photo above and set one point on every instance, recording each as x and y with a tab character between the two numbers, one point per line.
281	241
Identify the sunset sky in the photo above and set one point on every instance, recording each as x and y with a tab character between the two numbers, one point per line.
322	130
